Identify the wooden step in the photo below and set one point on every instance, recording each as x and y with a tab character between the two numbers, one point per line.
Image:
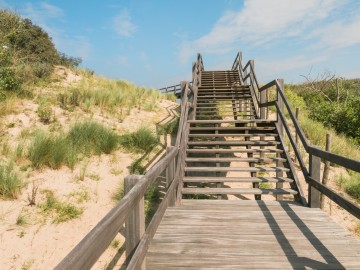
198	116
234	135
223	151
234	143
233	159
238	191
232	128
211	97
231	121
196	179
236	169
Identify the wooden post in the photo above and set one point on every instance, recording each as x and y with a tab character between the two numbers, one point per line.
281	105
135	223
314	169
326	169
240	69
170	174
297	111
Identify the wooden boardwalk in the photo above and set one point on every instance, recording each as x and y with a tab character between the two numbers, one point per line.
248	234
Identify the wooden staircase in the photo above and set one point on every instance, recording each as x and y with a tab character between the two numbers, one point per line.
230	151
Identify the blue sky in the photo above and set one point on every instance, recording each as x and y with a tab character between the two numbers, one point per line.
153	43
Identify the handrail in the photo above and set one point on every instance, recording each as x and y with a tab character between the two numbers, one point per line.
310	149
90	248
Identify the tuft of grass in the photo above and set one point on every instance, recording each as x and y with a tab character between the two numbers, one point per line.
45	113
10	180
141	140
265	185
152	200
351	185
119	194
62	211
171	127
115	243
84	138
21	219
136	167
90	137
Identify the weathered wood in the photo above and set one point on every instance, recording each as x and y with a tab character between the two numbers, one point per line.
235	191
170	174
236	179
349	206
314	170
135	222
280	105
326	167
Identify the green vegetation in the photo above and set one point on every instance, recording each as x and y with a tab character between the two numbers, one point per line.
351	185
335	102
61	211
315	131
152	200
171	127
140	140
10	180
27	54
86	138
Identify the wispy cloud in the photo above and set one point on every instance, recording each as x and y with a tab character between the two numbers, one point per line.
145	60
260	22
122	24
340	34
43	14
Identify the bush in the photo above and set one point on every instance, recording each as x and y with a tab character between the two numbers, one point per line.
141	140
10	181
8	80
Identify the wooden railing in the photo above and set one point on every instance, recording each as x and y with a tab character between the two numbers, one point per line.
130	209
311	174
173	89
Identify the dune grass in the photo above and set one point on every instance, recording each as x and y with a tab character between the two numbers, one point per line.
139	141
84	138
10	180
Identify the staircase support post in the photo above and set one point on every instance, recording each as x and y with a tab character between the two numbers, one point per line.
314	169
280	103
170	174
135	223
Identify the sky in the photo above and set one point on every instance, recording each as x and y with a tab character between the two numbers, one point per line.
153	43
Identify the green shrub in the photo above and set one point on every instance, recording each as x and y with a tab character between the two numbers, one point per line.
10	181
8	79
141	140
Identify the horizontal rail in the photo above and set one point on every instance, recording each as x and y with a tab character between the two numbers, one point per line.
87	252
335	197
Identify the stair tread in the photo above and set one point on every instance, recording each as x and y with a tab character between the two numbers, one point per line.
232	128
194	179
234	135
223	151
232	159
236	169
233	142
234	191
230	121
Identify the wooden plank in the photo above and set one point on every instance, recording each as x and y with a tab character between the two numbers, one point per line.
223	159
237	179
237	191
235	169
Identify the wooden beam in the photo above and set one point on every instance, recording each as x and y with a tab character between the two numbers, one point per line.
314	169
